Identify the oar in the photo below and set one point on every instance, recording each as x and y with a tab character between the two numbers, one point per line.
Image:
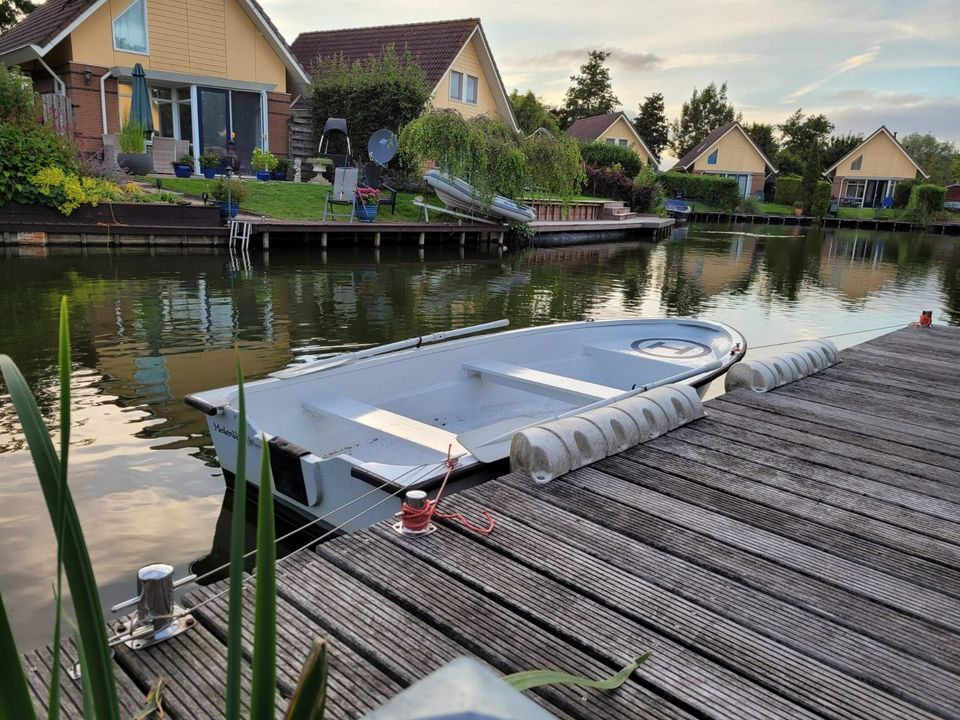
344	358
492	442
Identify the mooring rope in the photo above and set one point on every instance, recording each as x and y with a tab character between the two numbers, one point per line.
826	337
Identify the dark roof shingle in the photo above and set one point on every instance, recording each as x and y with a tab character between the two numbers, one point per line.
698	149
43	24
434	45
589	129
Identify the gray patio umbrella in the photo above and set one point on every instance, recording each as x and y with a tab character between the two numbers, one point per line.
140	110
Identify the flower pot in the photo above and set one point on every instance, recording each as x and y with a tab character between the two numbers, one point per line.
279	174
135	163
182	170
209	172
263	175
367	213
226	212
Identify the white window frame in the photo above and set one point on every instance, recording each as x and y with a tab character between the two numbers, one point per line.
146	29
476	89
462	76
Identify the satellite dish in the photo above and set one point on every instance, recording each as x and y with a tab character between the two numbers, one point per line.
382	146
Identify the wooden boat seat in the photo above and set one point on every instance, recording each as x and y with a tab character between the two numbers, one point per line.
383	421
558	387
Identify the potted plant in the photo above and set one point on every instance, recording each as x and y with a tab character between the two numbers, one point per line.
132	146
228	195
280	172
264	162
798	208
209	162
183	167
368	202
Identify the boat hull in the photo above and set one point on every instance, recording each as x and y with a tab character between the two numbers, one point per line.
346	442
459	194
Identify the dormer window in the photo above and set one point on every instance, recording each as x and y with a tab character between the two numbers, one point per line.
857	164
712	157
130	29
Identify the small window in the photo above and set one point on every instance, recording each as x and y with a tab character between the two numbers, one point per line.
622	142
456	85
712	159
611	141
472	85
857	164
130	29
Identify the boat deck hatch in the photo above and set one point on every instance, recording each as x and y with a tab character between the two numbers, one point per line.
557	387
383	422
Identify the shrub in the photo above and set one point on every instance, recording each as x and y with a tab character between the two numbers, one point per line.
18	101
788	190
209	159
68	191
925	199
388	91
749	205
901	194
238	190
131	138
604	155
820	202
609	182
185	159
723	193
96	166
27	149
555	165
263	160
647	193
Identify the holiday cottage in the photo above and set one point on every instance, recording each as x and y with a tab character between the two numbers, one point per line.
454	54
613	129
729	152
217	69
867	176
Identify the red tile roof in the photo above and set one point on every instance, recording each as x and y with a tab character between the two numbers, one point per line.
434	45
43	24
589	129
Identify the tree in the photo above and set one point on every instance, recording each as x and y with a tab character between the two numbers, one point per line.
12	12
705	112
591	92
532	113
936	157
837	146
762	135
651	124
800	133
811	175
380	92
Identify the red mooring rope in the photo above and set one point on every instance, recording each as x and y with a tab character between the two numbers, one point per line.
418	519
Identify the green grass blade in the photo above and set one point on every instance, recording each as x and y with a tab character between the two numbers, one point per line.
535	678
76	559
310	696
237	548
264	683
153	706
15	699
53	702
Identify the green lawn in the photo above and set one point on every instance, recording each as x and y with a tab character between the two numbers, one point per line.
292	201
870	213
776	209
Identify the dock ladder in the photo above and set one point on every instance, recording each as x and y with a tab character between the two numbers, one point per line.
240	233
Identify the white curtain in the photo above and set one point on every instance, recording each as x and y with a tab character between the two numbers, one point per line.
130	28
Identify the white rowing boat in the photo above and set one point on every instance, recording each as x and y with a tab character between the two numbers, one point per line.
458	193
363	427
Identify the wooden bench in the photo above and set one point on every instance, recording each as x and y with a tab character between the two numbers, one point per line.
383	421
557	387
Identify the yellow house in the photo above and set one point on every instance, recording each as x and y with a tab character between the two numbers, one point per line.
729	152
868	175
454	55
216	69
613	129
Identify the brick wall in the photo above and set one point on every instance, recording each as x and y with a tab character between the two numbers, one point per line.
278	114
85	97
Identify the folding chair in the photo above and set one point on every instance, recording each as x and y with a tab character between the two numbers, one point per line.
344	193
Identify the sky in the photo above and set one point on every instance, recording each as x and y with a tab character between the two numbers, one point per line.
863	64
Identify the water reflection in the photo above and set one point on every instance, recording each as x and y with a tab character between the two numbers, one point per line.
151	326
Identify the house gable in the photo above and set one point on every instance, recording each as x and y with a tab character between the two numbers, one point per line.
622	129
731	153
879	156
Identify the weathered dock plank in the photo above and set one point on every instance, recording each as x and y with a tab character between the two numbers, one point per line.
793	554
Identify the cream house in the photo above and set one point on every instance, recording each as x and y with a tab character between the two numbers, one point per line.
868	175
216	69
613	129
729	152
454	55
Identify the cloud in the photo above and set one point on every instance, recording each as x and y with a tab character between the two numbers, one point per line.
871	98
707	60
935	116
620	58
847	65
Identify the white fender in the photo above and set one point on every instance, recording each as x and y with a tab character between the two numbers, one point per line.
768	373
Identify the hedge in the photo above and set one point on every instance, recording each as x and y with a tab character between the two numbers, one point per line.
720	192
925	199
604	155
788	190
820	203
901	195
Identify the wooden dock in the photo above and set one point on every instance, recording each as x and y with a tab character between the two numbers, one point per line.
795	554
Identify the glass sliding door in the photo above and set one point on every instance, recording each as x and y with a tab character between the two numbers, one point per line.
247	125
230	113
214	120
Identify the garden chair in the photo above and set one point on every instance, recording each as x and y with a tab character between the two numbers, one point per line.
373	178
344	193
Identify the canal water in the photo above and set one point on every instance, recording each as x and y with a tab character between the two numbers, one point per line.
151	326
